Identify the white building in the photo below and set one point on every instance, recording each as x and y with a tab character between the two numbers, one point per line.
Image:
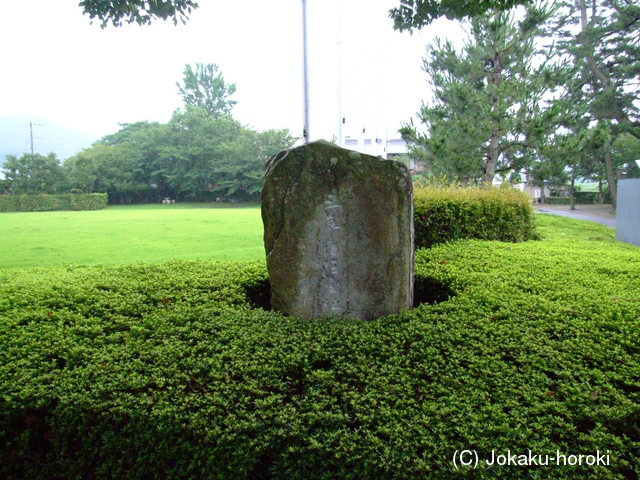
380	147
385	148
535	192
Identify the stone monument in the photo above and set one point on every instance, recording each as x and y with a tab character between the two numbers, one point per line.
338	233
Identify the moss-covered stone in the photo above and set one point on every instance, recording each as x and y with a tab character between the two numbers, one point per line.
338	233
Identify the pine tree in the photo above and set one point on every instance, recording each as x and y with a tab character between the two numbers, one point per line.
489	104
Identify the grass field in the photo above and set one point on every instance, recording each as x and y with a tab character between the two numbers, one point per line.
126	234
158	233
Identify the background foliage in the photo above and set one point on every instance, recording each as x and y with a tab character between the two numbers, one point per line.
201	154
545	93
194	157
416	14
141	12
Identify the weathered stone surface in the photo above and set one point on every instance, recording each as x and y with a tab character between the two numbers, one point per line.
338	233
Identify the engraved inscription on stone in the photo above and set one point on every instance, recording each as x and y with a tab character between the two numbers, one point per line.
331	299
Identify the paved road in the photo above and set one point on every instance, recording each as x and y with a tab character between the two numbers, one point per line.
593	213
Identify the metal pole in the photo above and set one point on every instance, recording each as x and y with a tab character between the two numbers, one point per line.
31	135
305	73
339	68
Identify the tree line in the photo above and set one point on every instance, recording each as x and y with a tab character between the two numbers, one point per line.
201	154
547	93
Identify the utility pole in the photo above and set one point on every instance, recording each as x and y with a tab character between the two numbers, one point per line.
31	124
31	135
305	74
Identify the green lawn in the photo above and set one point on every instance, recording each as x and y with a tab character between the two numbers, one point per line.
126	234
158	233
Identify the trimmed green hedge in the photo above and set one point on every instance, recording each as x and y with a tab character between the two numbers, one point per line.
581	198
444	214
48	203
558	200
592	198
586	198
167	371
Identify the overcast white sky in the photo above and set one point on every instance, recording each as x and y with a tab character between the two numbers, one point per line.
59	67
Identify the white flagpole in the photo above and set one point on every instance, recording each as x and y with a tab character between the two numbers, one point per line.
305	73
339	69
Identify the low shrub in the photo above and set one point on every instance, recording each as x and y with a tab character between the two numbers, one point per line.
558	200
586	198
48	203
580	198
166	371
444	214
592	198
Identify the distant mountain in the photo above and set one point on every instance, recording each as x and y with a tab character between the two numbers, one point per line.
15	138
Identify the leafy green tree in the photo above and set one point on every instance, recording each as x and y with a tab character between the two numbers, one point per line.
196	152
208	157
489	109
590	153
409	14
111	169
186	157
148	139
194	157
239	170
415	14
271	142
563	159
126	165
142	12
549	169
246	162
205	88
625	151
33	173
130	132
81	174
201	154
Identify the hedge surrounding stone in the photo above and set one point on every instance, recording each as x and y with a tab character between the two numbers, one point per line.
166	371
444	214
48	203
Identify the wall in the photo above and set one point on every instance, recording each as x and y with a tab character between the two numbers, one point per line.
628	211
